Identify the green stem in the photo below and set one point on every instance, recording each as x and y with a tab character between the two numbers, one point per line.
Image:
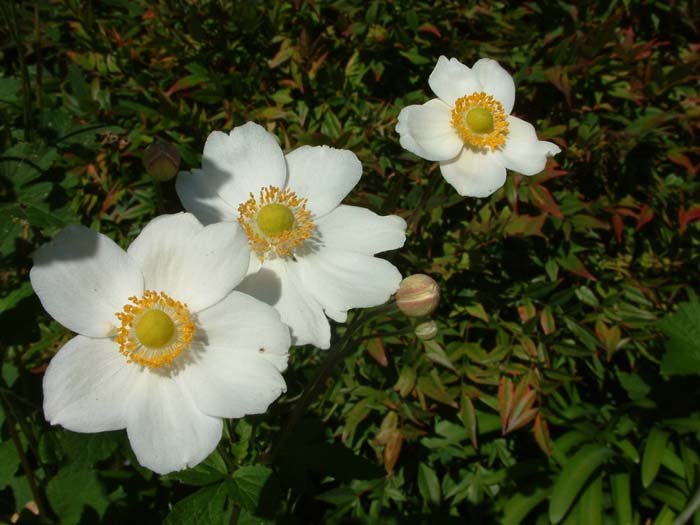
333	358
692	507
26	467
11	16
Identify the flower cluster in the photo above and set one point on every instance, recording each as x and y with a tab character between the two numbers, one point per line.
193	322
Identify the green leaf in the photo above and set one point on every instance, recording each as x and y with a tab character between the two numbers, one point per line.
209	471
85	450
620	485
15	296
9	462
71	490
428	484
590	506
207	506
520	505
572	478
653	453
247	485
683	347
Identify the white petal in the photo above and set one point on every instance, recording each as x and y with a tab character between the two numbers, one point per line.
194	264
361	230
405	139
244	325
88	385
166	430
522	151
341	280
474	174
323	175
496	81
83	278
430	127
198	196
451	80
227	383
241	163
278	285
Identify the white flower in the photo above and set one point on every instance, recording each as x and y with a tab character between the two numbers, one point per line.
165	349
469	128
310	253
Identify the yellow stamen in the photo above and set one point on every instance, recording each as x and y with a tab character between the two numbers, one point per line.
275	223
480	121
154	329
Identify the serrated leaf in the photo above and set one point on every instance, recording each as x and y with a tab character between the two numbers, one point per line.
247	485
209	471
67	502
207	506
683	347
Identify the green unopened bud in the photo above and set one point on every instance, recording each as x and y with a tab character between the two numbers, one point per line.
418	295
426	331
162	161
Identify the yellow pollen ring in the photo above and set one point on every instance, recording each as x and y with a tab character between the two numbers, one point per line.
154	329
276	223
480	121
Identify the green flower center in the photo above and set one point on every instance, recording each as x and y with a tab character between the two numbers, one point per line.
155	329
275	219
480	120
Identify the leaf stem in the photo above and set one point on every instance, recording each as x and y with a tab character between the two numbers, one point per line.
692	507
333	358
26	467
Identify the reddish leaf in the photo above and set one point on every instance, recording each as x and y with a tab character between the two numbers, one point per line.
375	348
527	312
685	218
618	227
506	394
541	429
392	450
646	214
429	28
547	321
186	83
574	265
541	198
525	225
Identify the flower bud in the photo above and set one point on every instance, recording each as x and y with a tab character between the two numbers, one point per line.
162	161
418	295
426	331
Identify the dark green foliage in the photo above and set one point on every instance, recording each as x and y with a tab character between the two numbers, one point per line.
551	394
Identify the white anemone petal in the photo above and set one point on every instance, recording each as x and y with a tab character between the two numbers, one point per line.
166	430
340	280
241	163
474	174
88	386
198	196
496	81
522	152
430	126
361	230
322	175
194	264
451	80
278	284
83	278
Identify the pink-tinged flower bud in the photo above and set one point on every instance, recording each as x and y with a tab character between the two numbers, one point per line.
162	161
418	295
426	331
